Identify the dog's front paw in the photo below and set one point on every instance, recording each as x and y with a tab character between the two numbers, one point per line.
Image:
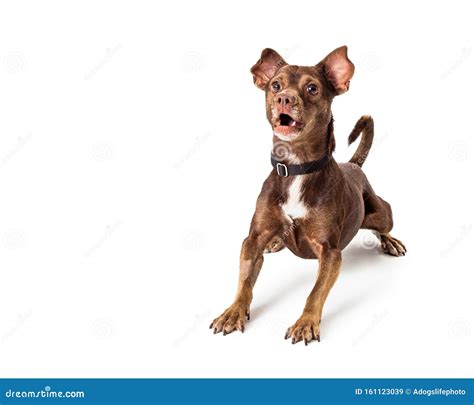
232	319
306	328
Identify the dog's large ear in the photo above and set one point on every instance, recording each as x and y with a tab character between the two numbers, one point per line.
338	69
270	61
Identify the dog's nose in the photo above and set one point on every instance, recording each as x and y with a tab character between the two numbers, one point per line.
285	99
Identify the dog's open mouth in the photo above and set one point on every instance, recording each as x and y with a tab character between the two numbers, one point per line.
286	127
286	120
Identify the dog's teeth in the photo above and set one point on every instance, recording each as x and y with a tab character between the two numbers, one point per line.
292	123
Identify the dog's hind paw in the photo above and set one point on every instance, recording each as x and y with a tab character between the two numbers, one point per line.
392	246
232	319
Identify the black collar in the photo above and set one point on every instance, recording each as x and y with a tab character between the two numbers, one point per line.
303	168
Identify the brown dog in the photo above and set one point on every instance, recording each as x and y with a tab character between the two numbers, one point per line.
308	203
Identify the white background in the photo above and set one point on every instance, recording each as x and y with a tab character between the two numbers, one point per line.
133	145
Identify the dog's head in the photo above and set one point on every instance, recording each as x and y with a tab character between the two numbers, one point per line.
298	98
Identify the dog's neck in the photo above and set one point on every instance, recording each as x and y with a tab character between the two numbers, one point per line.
315	145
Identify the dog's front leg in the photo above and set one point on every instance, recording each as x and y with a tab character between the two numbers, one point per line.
251	260
307	326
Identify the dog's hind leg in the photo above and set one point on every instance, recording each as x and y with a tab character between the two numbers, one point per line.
378	218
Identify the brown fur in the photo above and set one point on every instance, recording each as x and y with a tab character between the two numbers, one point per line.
338	198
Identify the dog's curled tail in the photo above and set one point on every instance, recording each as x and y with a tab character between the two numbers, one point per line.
365	125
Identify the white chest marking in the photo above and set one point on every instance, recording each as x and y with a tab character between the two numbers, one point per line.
293	206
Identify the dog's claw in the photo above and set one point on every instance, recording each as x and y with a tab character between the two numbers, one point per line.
231	320
392	246
305	329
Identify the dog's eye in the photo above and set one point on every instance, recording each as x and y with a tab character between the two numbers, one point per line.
276	87
312	89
